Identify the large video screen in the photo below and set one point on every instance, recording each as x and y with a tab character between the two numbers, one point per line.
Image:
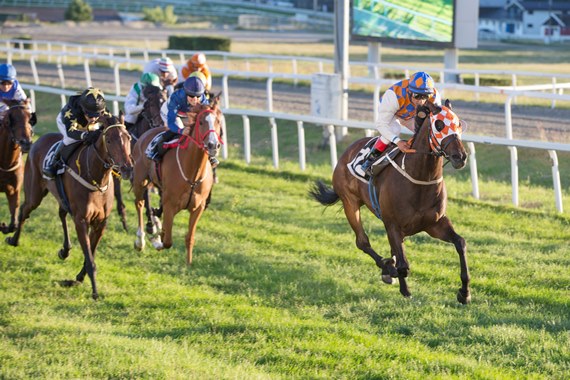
414	22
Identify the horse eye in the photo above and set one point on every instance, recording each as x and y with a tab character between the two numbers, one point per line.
439	125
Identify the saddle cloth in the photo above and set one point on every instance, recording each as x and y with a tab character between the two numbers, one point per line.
355	166
151	148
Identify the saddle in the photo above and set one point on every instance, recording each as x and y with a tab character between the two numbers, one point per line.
355	166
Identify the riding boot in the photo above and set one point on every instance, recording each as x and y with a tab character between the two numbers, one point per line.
372	156
159	150
54	164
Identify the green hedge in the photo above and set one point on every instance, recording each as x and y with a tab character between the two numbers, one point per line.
199	43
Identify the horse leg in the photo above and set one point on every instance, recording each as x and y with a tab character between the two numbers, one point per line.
32	202
396	239
89	266
14	206
64	252
151	228
352	212
443	230
121	209
190	236
139	204
167	222
94	238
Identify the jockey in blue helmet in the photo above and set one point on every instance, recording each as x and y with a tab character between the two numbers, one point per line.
397	108
10	88
174	112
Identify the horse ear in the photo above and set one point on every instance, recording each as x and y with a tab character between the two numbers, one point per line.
121	117
448	103
33	119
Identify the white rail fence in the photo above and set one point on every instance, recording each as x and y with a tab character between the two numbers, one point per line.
511	94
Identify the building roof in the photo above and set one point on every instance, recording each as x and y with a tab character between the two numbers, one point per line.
546	5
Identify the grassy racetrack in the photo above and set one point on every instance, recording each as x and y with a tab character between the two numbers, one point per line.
279	290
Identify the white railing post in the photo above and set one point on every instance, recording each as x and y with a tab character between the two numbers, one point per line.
294	66
301	134
246	140
473	169
224	138
269	94
556	181
87	71
332	145
274	143
117	88
477	81
513	150
226	92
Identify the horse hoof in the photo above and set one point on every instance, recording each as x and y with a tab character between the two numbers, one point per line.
387	279
95	296
139	247
11	241
463	299
63	254
69	283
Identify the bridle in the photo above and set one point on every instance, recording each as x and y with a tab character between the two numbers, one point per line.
11	126
196	137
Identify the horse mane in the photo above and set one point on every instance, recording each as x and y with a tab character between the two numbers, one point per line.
151	90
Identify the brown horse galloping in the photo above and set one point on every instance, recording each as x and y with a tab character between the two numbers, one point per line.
88	190
410	194
15	138
186	176
148	119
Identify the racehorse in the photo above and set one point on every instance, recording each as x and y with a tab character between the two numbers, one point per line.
184	175
15	138
409	195
88	189
149	118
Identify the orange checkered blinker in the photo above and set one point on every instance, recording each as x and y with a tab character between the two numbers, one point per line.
444	124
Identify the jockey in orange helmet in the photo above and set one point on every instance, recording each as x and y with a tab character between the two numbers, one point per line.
197	63
397	108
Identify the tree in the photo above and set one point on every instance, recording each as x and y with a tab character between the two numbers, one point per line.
78	10
162	15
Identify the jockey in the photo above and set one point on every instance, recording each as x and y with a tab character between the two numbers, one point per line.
164	68
76	120
10	88
134	103
397	108
197	63
178	105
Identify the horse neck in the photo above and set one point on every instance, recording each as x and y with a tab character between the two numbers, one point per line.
94	163
423	165
10	152
193	161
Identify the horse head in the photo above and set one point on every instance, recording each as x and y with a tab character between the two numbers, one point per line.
207	130
155	97
115	144
444	130
19	122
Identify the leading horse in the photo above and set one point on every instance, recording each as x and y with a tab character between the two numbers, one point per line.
88	189
409	195
184	175
16	134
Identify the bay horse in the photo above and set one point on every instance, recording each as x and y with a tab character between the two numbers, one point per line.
88	189
149	118
184	176
16	134
409	196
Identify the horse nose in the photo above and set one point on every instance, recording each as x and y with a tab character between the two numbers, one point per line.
25	145
126	171
213	145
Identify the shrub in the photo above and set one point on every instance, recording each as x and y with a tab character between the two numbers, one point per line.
199	43
161	15
78	10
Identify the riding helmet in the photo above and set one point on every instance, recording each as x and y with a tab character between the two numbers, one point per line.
92	102
421	83
193	86
200	75
165	64
150	79
198	60
7	72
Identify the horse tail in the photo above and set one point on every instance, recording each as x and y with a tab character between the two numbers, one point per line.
323	194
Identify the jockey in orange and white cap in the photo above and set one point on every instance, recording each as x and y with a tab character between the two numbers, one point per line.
197	63
164	68
397	108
